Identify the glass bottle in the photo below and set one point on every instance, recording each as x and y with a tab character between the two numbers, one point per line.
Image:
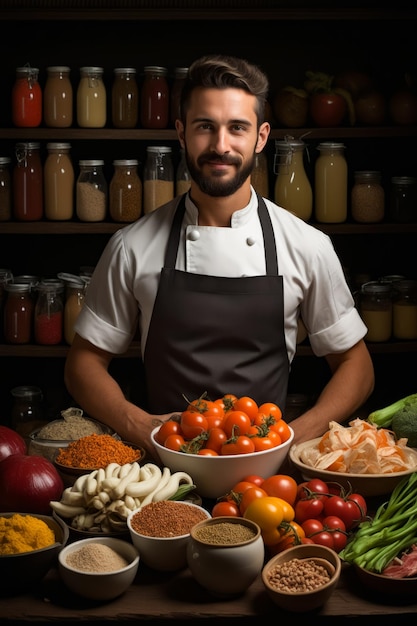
49	313
18	313
125	192
158	178
292	187
260	177
404	312
91	98
154	111
403	201
331	184
28	183
125	98
74	300
367	197
6	276
58	97
376	310
58	182
26	98
27	410
91	191
182	177
5	190
180	74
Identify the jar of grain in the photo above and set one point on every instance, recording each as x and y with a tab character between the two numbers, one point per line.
158	179
5	190
367	197
91	191
125	197
376	310
183	177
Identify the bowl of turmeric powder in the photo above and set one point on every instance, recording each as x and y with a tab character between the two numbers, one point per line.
29	547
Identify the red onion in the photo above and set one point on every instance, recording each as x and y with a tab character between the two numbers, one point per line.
28	483
11	443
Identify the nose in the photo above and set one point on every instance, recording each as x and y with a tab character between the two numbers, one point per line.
220	141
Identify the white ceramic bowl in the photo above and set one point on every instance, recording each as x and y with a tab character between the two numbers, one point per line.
163	553
215	475
99	585
365	484
229	566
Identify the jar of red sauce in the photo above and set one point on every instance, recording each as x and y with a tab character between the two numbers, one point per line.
18	313
155	98
49	313
27	98
28	183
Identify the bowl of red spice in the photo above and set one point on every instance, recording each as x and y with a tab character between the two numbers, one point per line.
161	531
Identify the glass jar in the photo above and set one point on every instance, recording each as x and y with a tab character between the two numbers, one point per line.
158	178
27	410
18	313
26	98
367	197
154	111
182	177
49	313
331	175
404	312
5	190
59	182
292	187
91	98
376	310
125	194
58	97
91	191
74	300
28	183
180	74
125	98
6	276
403	201
260	177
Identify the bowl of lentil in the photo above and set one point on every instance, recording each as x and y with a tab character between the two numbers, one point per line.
29	546
161	531
98	568
302	578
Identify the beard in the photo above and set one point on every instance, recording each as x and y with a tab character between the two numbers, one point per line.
215	185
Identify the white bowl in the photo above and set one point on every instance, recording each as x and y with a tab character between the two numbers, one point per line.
214	476
365	484
163	553
99	585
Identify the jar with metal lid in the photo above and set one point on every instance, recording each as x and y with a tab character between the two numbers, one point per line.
292	187
28	183
260	177
154	111
376	310
182	176
27	410
125	193
91	98
180	74
59	182
5	190
18	313
27	98
49	313
75	289
58	97
91	191
330	192
404	312
367	197
125	98
403	201
158	178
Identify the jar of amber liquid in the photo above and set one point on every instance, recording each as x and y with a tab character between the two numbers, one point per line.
27	98
376	310
330	193
91	98
154	111
58	97
27	410
292	186
125	98
28	183
74	300
405	309
125	193
18	313
5	190
59	182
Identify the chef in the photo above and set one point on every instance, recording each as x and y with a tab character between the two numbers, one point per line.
216	281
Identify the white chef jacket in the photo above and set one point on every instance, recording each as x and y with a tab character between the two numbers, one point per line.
121	294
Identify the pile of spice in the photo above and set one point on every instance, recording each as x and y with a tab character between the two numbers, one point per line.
95	452
70	428
96	557
224	533
24	533
167	518
298	575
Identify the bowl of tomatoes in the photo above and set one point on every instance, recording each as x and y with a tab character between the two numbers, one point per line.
218	447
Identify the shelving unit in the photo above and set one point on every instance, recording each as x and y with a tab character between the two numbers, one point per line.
285	41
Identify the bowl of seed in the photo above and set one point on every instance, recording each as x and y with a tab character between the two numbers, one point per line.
302	578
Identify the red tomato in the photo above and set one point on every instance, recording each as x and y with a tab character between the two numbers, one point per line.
339	540
216	438
255	479
332	522
236	423
360	503
228	401
266	442
313	488
170	427
241	487
247	405
324	538
207	452
308	508
238	445
281	486
283	430
269	409
225	507
193	424
327	109
174	442
249	495
312	526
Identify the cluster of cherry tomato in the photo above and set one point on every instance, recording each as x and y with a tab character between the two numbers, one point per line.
228	425
289	513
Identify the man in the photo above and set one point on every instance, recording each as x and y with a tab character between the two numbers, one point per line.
237	273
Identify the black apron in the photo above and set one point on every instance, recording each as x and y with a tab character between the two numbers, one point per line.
215	334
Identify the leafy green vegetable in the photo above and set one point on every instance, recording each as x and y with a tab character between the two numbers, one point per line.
382	418
404	424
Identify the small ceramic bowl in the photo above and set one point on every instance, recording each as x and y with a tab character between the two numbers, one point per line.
170	522
226	554
97	584
300	601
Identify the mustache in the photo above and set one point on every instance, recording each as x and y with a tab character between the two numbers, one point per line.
213	157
